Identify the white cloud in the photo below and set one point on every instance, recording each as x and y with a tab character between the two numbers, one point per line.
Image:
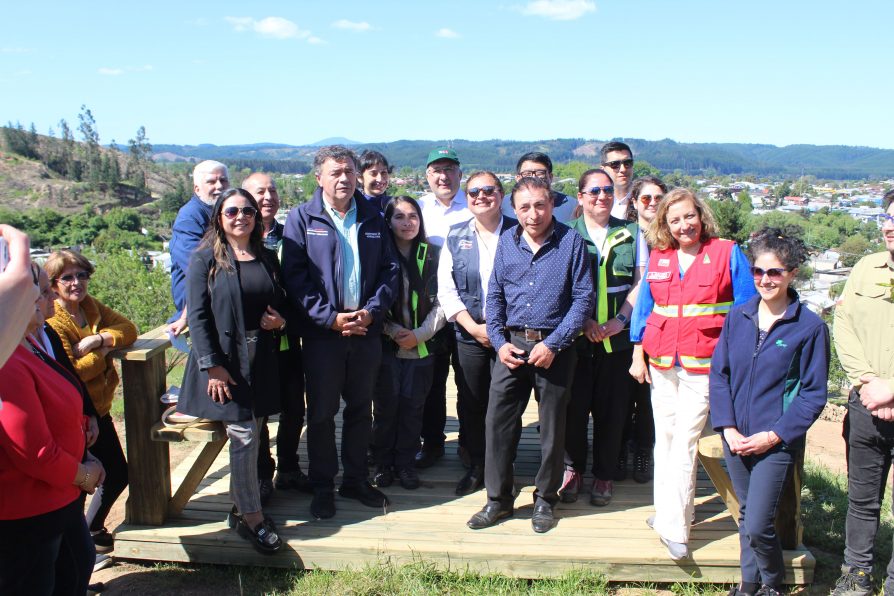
110	72
352	25
315	40
273	27
14	50
447	33
114	72
559	10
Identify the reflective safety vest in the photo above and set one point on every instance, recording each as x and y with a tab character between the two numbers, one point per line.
688	315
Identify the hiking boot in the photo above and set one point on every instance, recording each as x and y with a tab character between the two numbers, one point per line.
621	466
601	493
641	460
853	582
571	484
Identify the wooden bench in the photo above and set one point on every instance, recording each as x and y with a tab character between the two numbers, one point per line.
788	515
143	371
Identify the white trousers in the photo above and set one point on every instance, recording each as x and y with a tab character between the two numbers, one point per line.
680	408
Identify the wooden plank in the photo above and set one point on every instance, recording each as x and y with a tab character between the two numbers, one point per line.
147	346
195	475
149	468
204	432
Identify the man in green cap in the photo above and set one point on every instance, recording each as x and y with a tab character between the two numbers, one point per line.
442	208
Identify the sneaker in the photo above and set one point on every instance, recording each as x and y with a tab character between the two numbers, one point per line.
384	477
103	541
853	582
641	461
102	561
571	484
293	481
601	493
676	550
408	478
265	488
621	466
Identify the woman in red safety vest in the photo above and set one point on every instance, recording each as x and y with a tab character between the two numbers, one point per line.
692	280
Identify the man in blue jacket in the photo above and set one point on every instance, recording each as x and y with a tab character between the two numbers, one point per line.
341	273
210	178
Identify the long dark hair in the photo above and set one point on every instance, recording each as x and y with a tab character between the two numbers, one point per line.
408	266
217	239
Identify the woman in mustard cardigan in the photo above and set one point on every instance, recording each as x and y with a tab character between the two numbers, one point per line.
89	330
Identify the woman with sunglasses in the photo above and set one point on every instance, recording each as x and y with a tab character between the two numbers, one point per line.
692	280
601	384
768	386
45	547
235	297
407	367
89	330
463	275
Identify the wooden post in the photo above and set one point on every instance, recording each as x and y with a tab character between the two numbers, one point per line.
149	466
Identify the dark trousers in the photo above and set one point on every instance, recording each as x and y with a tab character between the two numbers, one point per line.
870	448
397	409
291	419
759	481
107	450
476	364
59	564
434	415
640	426
339	368
510	391
601	387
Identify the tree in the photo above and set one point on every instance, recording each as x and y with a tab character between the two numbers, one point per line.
853	249
732	220
140	152
90	148
140	293
744	201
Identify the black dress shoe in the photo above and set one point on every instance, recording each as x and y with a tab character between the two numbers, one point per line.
489	515
384	477
364	493
426	458
408	478
472	481
263	536
322	506
543	519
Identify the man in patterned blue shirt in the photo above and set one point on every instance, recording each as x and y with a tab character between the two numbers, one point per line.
538	298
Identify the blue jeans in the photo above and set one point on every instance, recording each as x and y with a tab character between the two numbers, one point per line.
759	481
870	448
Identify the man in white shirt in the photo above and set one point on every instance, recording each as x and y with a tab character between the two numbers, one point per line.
442	208
617	160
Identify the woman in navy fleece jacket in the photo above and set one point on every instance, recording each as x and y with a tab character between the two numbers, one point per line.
767	386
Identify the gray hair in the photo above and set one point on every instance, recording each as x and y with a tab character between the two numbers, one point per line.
336	153
209	165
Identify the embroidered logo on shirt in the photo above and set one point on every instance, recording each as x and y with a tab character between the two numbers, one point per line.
317	232
664	262
707	260
781	343
658	275
374	235
465	245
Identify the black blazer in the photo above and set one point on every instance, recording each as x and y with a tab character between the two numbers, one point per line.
217	330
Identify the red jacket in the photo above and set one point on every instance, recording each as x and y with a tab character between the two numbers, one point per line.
41	437
688	314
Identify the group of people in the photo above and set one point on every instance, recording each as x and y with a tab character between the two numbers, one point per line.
620	305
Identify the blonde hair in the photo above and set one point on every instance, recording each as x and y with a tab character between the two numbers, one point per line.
658	233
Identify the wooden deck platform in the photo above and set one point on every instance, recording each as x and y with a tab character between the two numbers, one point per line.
429	524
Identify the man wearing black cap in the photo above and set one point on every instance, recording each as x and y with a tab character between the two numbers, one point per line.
442	208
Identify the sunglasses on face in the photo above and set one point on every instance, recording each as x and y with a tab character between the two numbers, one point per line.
887	219
616	165
232	212
487	191
646	199
70	278
774	273
609	191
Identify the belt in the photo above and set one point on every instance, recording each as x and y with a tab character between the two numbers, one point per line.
530	334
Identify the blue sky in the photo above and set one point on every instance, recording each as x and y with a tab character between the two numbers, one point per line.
780	72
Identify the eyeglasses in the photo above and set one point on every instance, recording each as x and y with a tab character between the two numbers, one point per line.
616	165
608	191
232	212
774	273
646	199
70	278
887	219
488	191
542	174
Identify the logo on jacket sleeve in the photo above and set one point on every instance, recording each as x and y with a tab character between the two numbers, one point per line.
317	232
373	235
465	245
664	262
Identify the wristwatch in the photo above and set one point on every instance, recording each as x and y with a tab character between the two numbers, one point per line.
622	318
